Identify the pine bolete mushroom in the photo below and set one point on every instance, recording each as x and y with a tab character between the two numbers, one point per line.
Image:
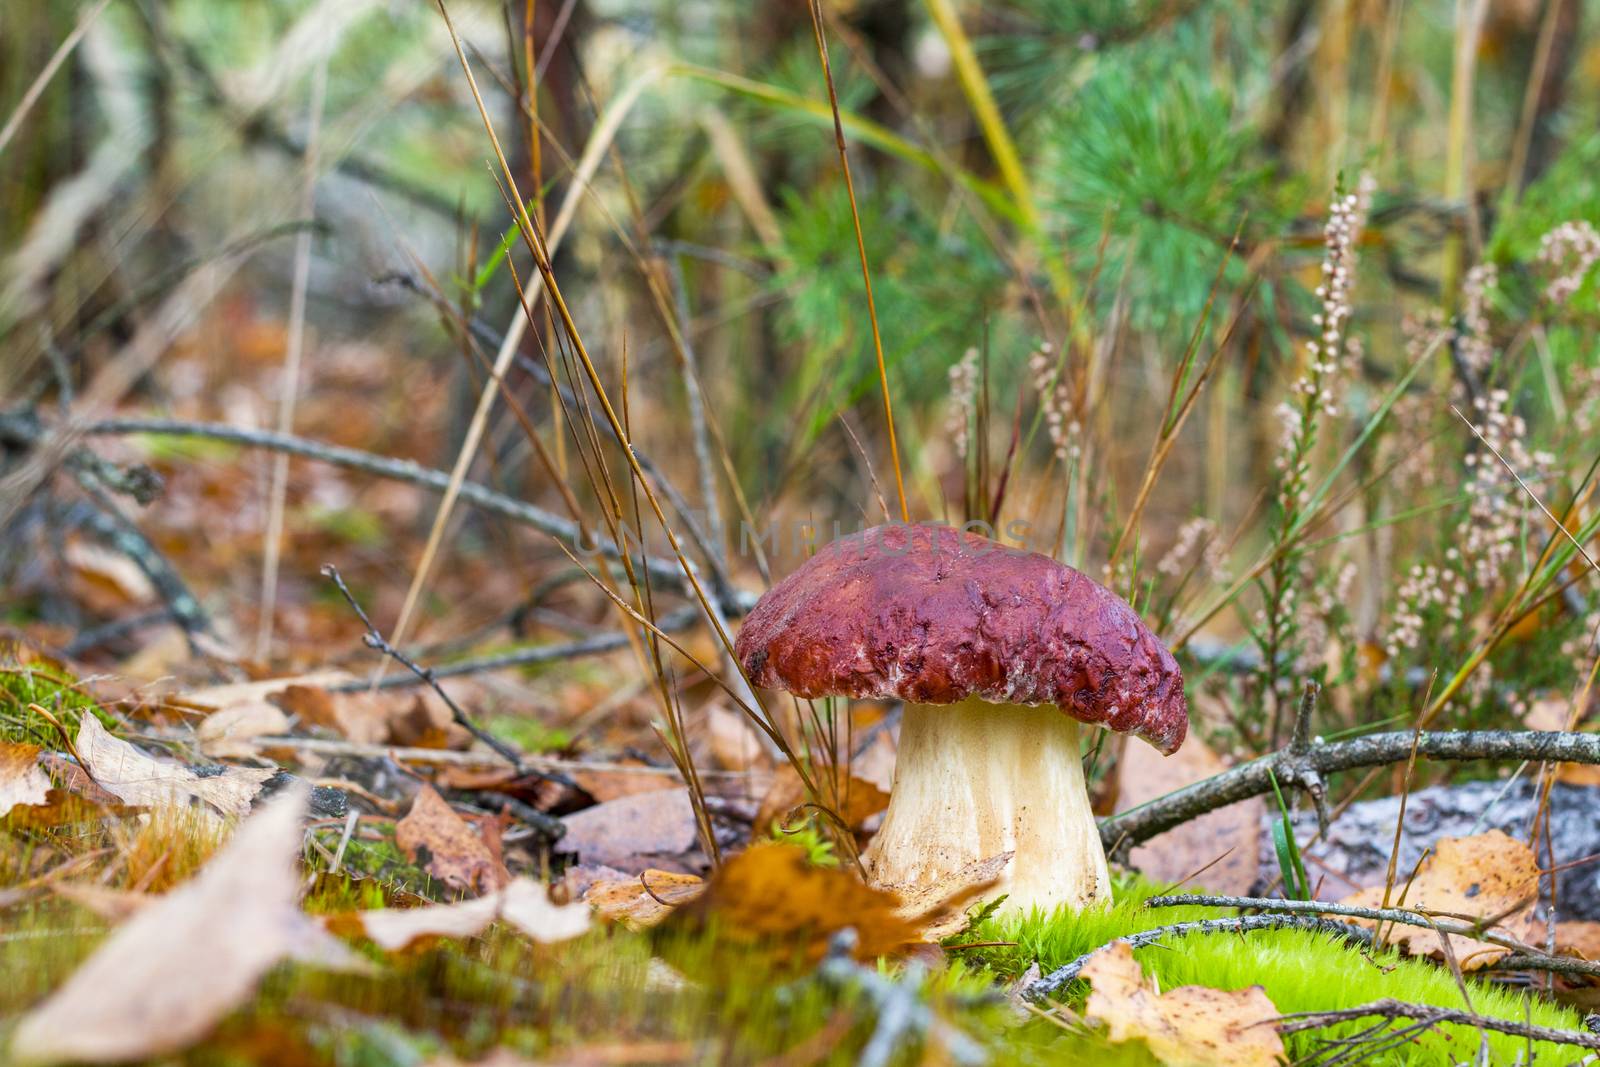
998	655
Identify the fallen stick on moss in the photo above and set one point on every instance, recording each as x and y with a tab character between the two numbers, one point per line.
1295	766
1528	956
1058	979
1431	1016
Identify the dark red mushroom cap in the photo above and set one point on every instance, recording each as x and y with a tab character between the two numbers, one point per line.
932	615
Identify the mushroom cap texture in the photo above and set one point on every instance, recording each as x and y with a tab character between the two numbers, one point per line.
932	615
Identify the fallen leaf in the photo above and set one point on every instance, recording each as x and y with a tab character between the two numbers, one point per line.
620	780
164	978
770	896
526	904
220	697
631	833
642	902
734	743
22	782
105	579
141	780
361	717
874	761
853	799
1487	876
232	731
426	723
1190	1026
1579	938
1224	845
433	836
523	903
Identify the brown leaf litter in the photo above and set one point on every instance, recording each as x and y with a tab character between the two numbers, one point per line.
444	844
1190	1026
164	978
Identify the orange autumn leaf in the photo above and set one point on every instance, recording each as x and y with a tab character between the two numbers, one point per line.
1486	877
772	898
22	782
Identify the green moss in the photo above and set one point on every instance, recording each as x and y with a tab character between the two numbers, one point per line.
528	734
1300	971
26	678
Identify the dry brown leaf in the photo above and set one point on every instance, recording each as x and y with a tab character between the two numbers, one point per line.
734	743
426	723
858	799
875	761
1579	938
1488	876
1190	1026
523	903
165	977
433	836
361	717
22	782
604	784
771	896
232	731
631	833
526	904
220	697
105	579
141	780
642	902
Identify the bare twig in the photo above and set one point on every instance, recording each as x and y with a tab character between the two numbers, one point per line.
375	640
1122	832
1526	956
1058	979
1432	1016
596	645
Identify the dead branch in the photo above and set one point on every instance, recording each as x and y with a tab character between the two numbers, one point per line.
1432	1016
375	640
668	572
1121	832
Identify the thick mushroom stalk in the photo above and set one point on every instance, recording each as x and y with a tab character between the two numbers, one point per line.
976	779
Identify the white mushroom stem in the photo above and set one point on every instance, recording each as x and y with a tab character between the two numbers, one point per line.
975	779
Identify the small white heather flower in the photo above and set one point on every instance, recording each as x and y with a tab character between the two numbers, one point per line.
1498	506
1329	354
963	389
1190	535
1054	402
1473	342
1571	249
